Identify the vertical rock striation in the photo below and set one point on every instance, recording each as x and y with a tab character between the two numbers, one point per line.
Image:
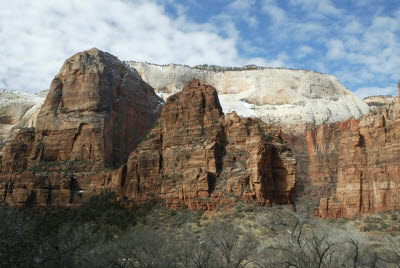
358	162
199	157
96	112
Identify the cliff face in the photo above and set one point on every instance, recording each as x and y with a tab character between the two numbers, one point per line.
199	157
95	114
194	155
281	96
99	113
358	163
97	110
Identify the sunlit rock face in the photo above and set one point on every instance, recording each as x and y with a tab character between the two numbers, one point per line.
97	109
281	96
96	112
361	160
200	157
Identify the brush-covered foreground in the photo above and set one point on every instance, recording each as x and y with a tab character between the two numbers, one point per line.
101	233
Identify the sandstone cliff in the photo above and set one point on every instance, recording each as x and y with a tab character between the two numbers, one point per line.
199	157
97	110
357	163
95	114
194	155
282	96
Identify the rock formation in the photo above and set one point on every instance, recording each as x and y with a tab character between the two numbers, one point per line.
194	155
358	162
197	156
95	114
17	109
281	96
380	100
97	110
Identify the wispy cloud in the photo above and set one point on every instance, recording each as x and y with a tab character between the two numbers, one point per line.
358	41
374	91
37	36
317	8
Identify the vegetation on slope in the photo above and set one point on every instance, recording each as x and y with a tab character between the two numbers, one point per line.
101	233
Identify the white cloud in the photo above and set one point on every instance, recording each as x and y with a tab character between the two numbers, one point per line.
374	91
37	36
335	49
304	51
317	7
277	14
353	27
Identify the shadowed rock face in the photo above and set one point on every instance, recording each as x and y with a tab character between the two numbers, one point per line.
97	110
197	156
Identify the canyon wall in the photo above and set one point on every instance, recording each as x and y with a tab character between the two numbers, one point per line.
197	149
362	159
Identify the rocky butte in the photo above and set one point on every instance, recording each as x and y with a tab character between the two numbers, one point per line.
96	112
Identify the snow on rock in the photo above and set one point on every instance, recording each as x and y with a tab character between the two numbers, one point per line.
282	96
18	109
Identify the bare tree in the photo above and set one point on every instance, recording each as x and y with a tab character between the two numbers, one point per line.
17	241
235	247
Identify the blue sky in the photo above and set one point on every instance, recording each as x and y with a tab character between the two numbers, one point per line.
357	41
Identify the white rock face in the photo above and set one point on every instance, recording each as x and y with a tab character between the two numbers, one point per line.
380	100
282	96
18	109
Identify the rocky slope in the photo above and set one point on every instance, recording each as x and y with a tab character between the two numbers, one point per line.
198	156
283	96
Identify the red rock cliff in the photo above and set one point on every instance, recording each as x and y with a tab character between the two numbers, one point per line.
97	109
358	163
95	114
199	157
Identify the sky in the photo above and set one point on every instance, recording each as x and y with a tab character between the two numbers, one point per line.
357	41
